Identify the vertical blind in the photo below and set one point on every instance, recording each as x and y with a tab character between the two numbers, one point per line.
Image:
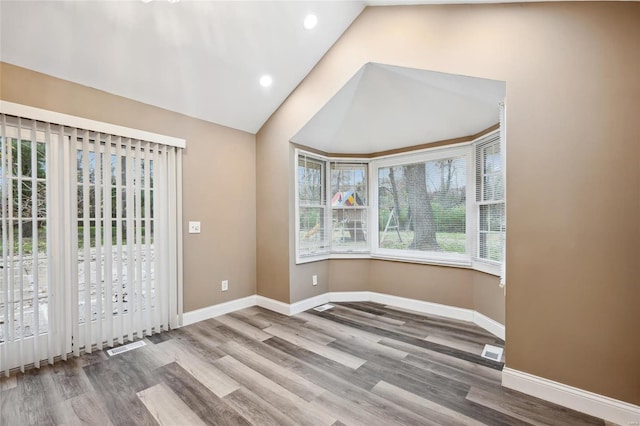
90	242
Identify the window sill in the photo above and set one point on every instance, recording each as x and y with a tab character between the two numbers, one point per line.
311	259
423	261
487	267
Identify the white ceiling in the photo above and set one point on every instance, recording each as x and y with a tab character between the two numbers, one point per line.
385	107
200	58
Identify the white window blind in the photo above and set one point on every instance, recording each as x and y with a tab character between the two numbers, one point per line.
90	243
490	199
311	206
349	210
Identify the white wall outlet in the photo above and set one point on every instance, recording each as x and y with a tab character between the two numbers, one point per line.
194	227
225	285
314	280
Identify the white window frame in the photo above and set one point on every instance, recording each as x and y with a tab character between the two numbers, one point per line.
324	254
346	253
480	264
437	258
468	260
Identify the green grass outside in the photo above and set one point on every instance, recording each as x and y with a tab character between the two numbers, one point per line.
451	242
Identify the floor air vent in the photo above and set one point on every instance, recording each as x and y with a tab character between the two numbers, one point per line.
323	308
492	352
126	348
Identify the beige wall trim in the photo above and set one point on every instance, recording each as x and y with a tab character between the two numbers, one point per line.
419	147
610	409
213	311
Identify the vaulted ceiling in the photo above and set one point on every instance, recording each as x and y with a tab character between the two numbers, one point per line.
200	58
386	107
205	59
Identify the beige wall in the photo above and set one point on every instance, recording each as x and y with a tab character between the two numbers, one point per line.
573	174
219	173
349	275
488	296
437	284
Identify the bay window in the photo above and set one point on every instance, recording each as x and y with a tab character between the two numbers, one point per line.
434	206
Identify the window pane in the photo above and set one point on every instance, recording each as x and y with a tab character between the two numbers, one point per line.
496	217
492	225
311	238
310	181
492	181
348	185
349	229
492	161
490	187
422	206
311	209
348	203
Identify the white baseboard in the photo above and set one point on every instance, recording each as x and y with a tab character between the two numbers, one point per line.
587	402
309	303
423	307
217	310
273	305
350	296
491	325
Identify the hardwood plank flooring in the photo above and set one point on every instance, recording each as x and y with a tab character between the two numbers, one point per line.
85	409
355	364
166	407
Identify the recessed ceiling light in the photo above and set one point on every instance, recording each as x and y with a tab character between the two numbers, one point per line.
266	80
310	21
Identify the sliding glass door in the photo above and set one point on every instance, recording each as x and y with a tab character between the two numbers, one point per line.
89	240
24	271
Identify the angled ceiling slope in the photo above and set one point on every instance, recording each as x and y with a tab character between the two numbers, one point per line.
199	58
385	107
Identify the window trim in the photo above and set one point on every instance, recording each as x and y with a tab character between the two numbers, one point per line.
366	163
480	264
469	260
320	255
436	258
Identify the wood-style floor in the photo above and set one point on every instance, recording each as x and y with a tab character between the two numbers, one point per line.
358	363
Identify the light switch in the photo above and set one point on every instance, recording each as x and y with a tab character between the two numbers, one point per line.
194	227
